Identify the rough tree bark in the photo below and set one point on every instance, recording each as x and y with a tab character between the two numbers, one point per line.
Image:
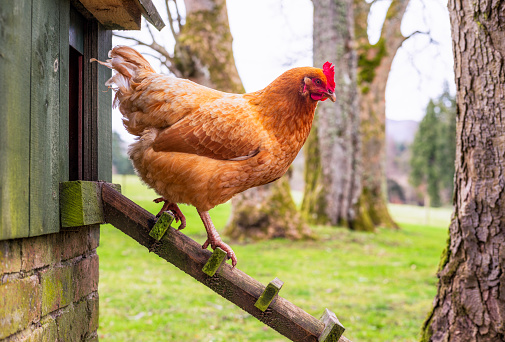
470	302
203	53
374	64
332	152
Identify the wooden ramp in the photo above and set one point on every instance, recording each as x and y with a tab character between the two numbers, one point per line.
105	204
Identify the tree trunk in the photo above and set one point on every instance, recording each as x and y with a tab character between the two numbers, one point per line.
203	52
470	303
374	64
266	212
332	172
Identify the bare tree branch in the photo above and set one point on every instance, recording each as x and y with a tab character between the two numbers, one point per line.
427	33
155	46
171	20
164	56
179	21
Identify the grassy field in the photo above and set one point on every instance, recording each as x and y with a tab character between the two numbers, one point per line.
380	285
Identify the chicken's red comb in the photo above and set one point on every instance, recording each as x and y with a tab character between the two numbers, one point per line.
329	72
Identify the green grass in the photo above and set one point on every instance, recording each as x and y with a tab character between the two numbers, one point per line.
380	285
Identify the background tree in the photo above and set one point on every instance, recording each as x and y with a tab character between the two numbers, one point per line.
203	53
447	148
332	173
470	300
120	161
374	64
425	157
331	196
433	149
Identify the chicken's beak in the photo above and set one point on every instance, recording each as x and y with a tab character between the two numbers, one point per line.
331	95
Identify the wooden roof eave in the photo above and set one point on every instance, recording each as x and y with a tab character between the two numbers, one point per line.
121	14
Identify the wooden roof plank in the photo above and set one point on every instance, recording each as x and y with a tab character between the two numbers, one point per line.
151	14
123	14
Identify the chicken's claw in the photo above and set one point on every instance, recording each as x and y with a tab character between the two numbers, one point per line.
217	242
174	208
213	238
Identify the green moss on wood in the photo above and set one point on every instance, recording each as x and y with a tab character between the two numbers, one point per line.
161	226
215	261
333	329
427	330
81	203
446	254
268	295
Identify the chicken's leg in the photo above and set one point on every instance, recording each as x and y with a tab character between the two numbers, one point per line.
174	208
213	237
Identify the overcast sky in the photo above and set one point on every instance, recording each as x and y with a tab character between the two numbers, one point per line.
271	36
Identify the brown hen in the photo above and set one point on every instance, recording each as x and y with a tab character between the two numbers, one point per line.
200	146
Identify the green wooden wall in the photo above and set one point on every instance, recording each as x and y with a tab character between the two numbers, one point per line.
34	50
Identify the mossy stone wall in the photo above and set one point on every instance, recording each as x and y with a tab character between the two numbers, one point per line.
49	287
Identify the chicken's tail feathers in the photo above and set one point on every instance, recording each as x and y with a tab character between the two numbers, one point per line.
130	65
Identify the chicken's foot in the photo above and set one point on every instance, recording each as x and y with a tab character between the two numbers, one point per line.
174	208
213	238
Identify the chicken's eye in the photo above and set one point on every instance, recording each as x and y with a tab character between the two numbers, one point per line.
318	81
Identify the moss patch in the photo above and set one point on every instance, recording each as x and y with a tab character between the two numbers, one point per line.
369	59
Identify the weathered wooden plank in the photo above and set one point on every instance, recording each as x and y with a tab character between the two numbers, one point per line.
63	131
97	111
44	124
81	203
161	226
269	294
333	329
76	30
215	261
103	108
231	283
89	172
15	60
151	14
115	14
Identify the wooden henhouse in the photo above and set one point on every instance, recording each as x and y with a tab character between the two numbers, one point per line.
55	127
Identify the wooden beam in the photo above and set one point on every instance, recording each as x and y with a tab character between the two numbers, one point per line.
115	14
269	294
151	14
333	329
15	62
44	122
96	111
187	255
81	203
161	226
215	261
